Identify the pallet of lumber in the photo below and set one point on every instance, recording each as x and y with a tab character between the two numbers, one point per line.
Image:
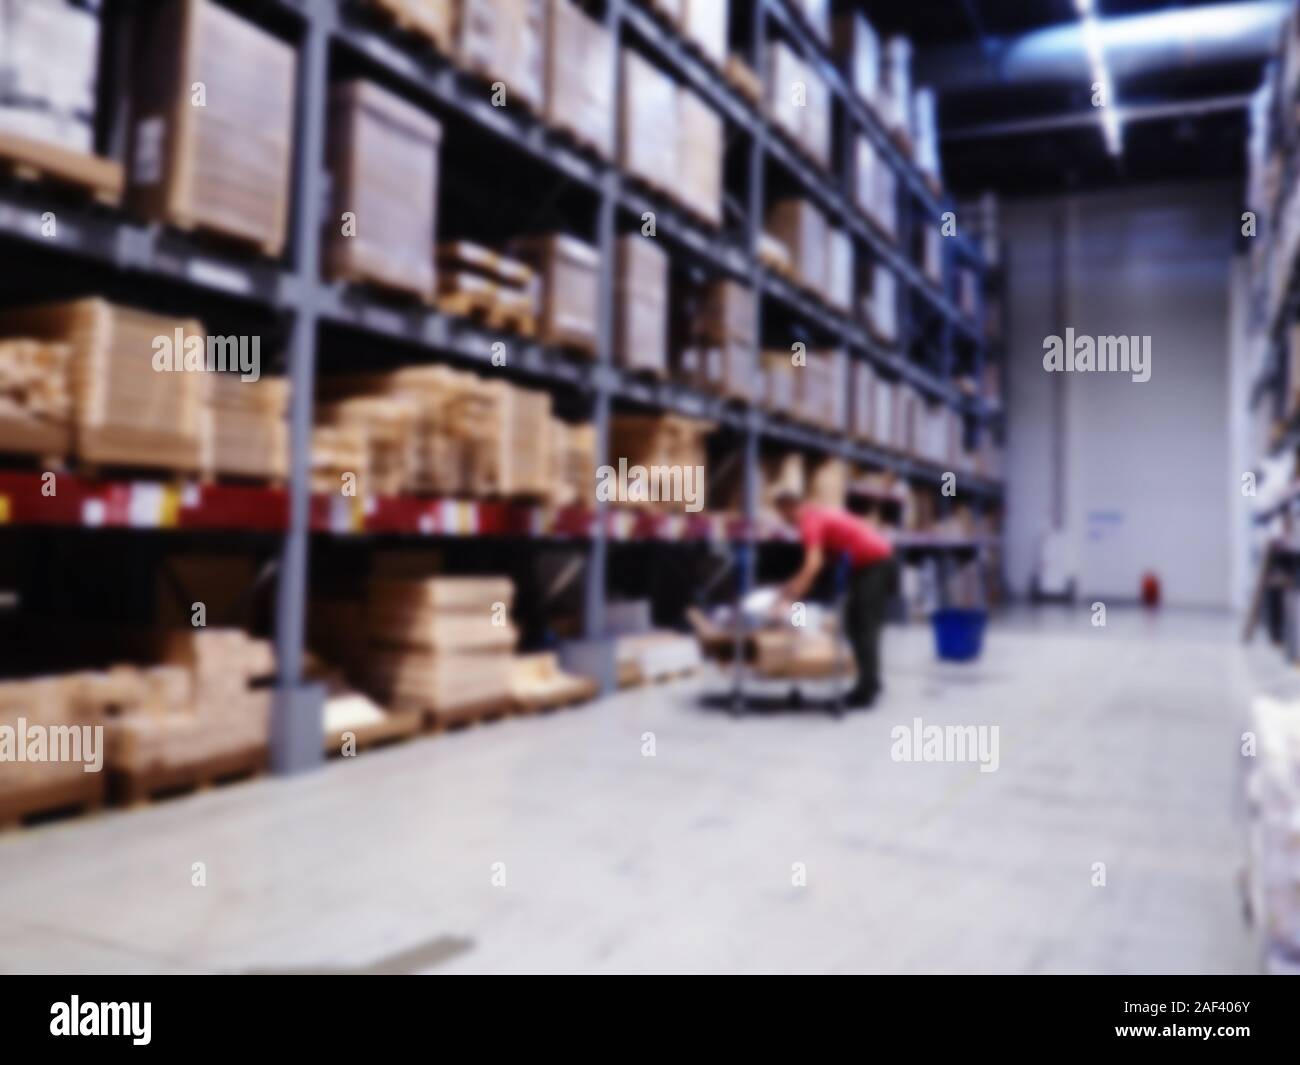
245	431
388	426
538	683
125	412
479	283
35	401
339	458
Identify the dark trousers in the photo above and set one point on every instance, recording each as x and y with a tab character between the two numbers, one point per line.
870	589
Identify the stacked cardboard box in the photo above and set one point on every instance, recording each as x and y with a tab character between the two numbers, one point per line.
779	385
699	157
932	253
882	317
641	302
224	165
204	701
569	272
856	49
522	442
244	429
862	383
383	154
124	411
875	187
799	102
580	77
884	416
49	52
440	644
704	24
650	127
721	336
801	227
839	270
828	481
896	86
821	390
663	440
340	456
35	400
925	129
505	41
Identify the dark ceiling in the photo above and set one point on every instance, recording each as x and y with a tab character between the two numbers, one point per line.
1043	136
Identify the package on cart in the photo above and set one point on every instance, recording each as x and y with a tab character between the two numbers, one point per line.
650	127
641	305
212	123
505	41
383	155
569	271
126	412
699	157
245	432
580	77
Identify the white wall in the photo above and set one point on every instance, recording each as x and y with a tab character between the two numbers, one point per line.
1136	472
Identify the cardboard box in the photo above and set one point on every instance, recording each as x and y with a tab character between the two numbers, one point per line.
641	305
650	127
779	388
383	155
821	388
883	320
580	77
801	227
49	63
434	20
223	166
699	157
704	24
840	270
505	41
569	272
862	382
245	432
856	50
573	463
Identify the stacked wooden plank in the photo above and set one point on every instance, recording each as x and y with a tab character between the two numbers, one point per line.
387	424
522	443
573	463
383	154
125	412
245	433
339	459
476	281
440	644
205	701
35	402
212	123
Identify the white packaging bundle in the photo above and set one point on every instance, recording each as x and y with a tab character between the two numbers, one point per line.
48	62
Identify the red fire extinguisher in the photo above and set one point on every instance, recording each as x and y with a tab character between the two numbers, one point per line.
1150	589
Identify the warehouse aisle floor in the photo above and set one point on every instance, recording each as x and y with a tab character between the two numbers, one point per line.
1117	745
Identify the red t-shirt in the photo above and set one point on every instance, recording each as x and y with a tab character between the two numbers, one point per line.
837	530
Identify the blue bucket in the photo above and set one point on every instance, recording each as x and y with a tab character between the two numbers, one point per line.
959	634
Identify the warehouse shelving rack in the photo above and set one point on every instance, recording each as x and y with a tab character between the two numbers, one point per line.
295	292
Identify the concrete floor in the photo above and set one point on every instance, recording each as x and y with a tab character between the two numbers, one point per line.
1117	745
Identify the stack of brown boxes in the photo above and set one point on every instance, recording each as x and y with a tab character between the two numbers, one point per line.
856	49
840	271
505	41
799	102
882	319
820	390
650	127
779	387
387	424
220	161
801	227
522	439
875	187
35	401
862	382
440	644
884	421
569	273
49	704
641	303
125	411
932	253
727	325
383	155
245	433
340	456
665	440
580	78
699	157
202	703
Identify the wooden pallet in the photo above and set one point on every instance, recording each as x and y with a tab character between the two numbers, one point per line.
582	691
397	726
410	19
490	311
26	159
222	240
438	721
133	787
383	285
82	793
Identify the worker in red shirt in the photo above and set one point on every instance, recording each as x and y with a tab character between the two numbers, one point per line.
833	531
